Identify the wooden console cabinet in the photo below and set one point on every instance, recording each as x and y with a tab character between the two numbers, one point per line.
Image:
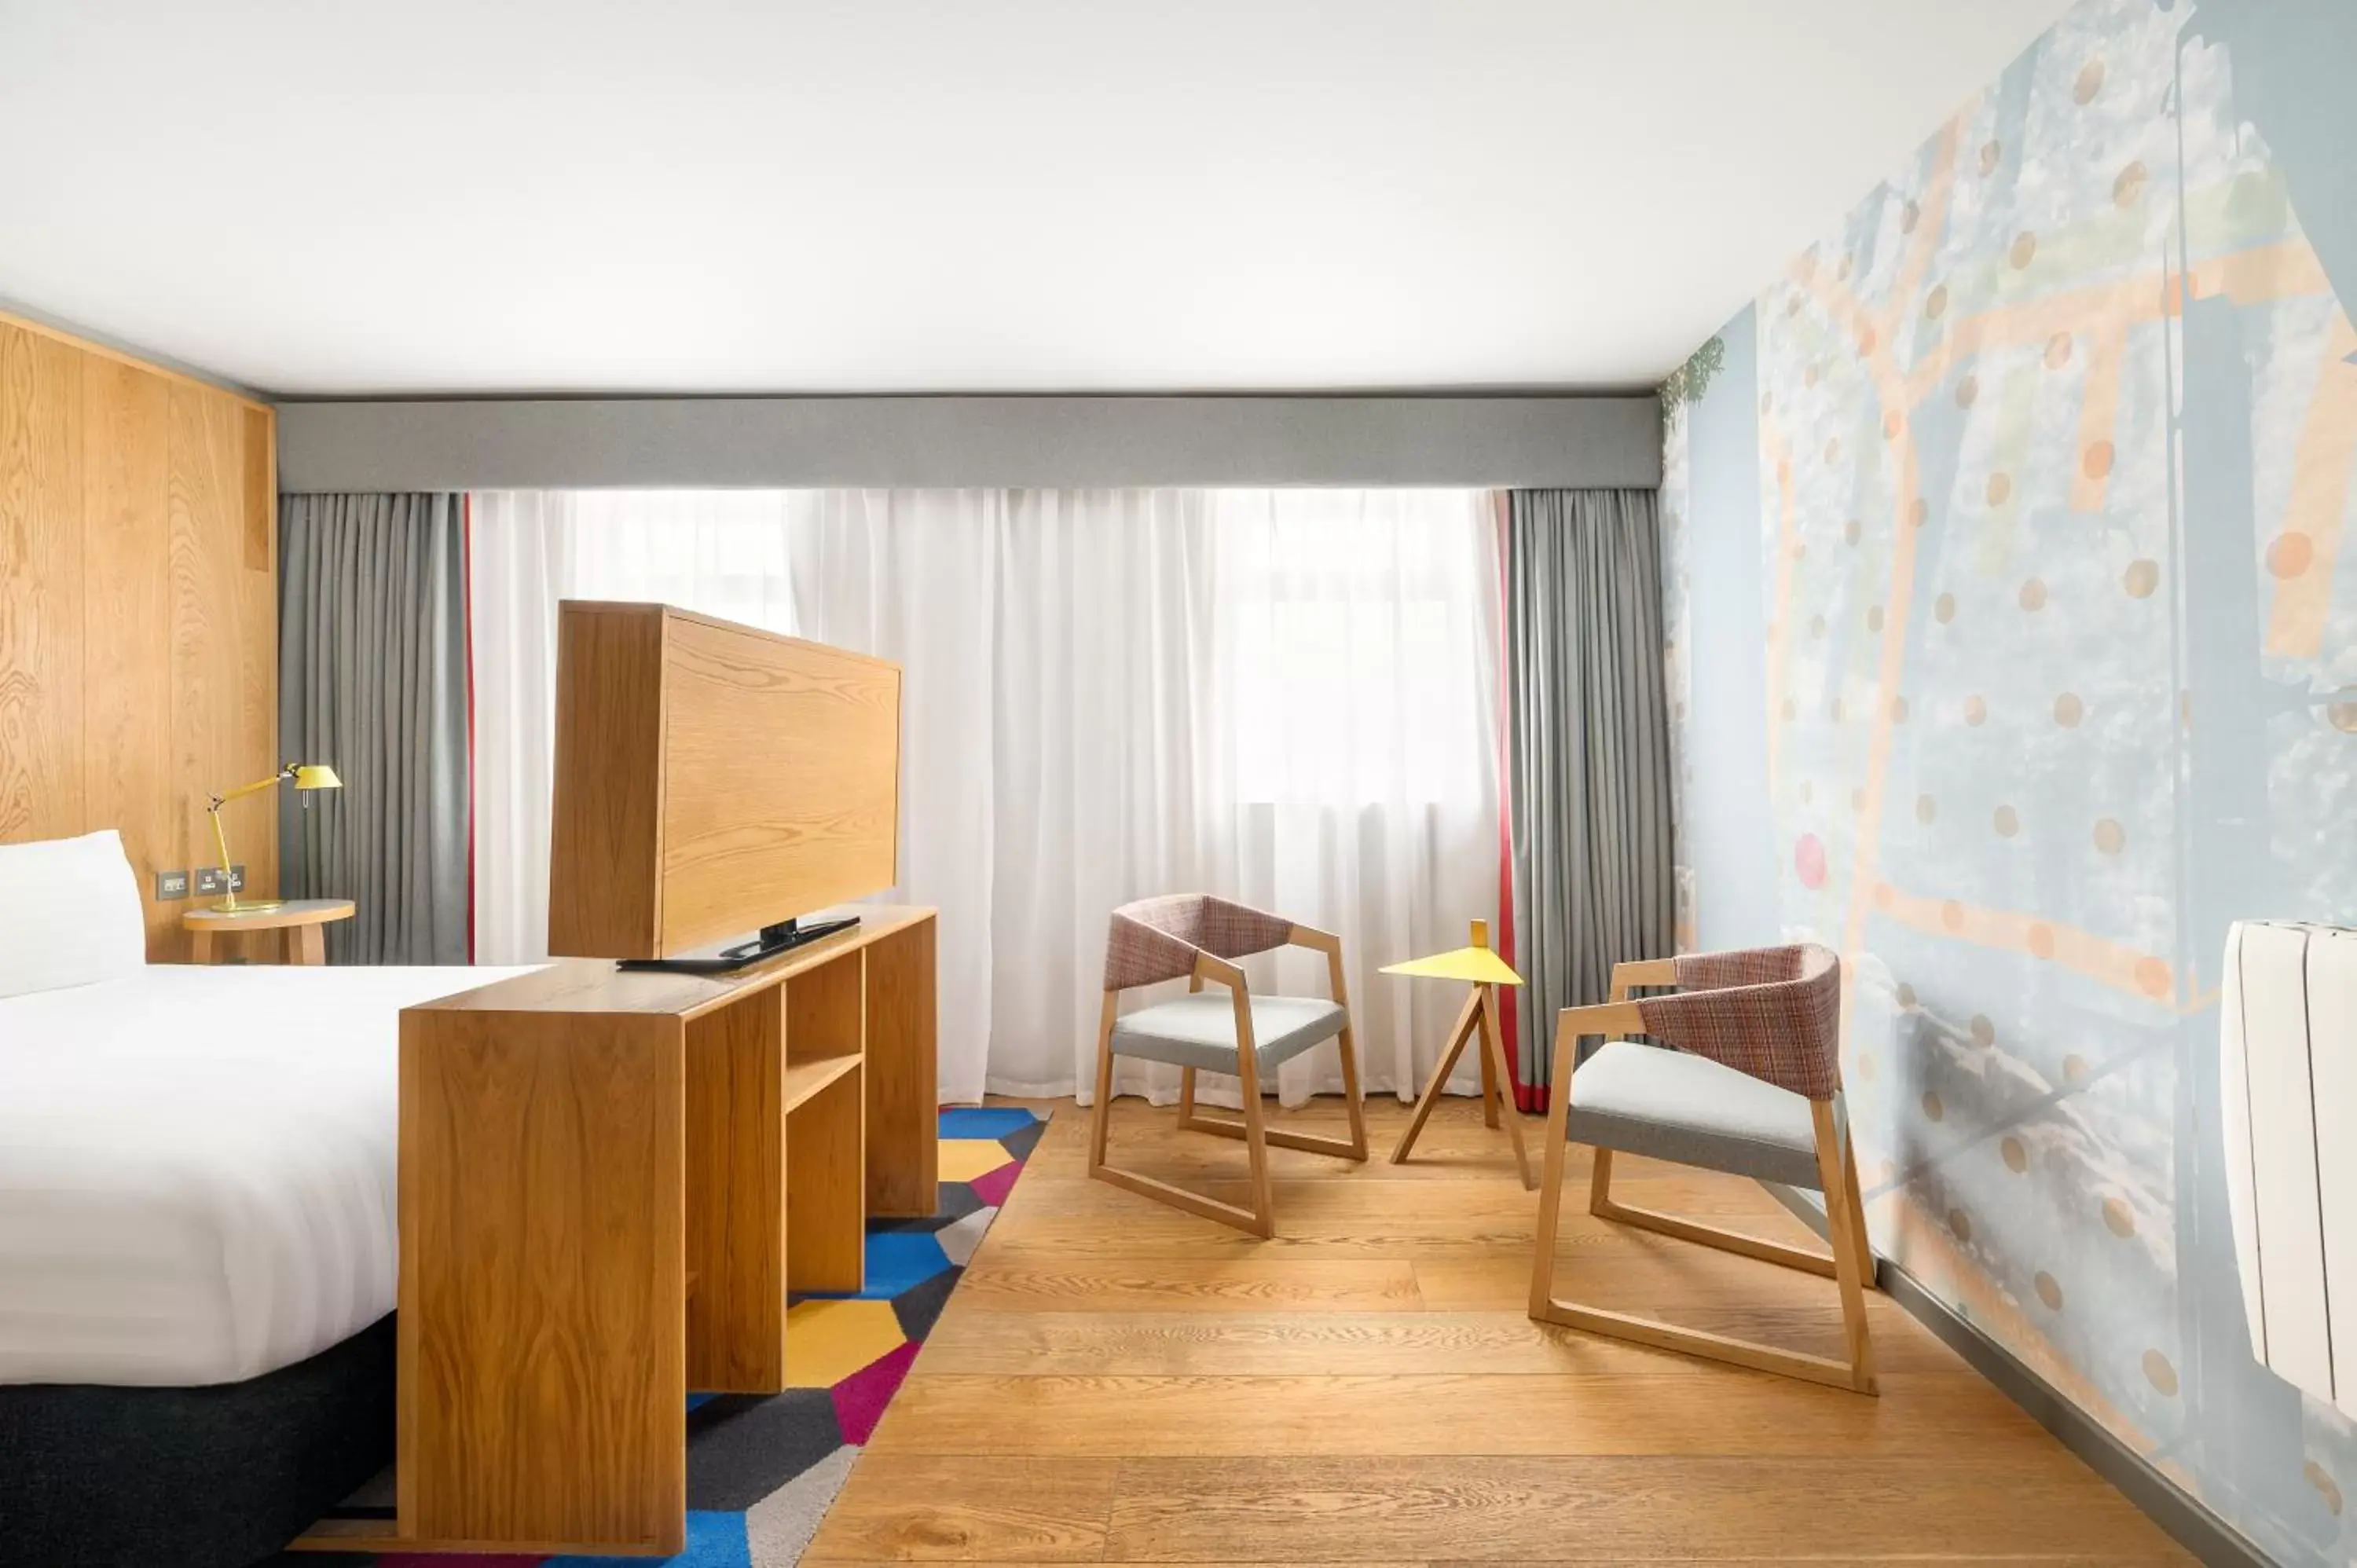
610	1182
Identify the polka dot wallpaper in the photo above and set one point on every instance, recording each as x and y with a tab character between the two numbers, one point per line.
2055	492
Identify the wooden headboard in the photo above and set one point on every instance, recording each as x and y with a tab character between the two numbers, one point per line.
138	609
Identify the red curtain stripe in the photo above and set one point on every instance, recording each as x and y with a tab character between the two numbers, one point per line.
1510	1014
467	614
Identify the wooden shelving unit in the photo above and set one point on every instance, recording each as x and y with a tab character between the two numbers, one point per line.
609	1183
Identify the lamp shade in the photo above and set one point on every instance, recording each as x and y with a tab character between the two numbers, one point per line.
316	775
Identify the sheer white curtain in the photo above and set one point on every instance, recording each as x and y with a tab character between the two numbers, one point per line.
517	568
1288	697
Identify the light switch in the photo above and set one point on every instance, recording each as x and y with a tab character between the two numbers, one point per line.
171	884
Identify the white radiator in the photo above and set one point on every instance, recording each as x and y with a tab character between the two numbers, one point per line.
2287	1066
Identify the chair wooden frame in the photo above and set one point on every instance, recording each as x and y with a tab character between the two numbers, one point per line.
1850	1264
1260	1219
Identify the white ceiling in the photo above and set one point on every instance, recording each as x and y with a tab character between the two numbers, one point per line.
415	195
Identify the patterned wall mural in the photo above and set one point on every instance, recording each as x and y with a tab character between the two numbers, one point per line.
2056	437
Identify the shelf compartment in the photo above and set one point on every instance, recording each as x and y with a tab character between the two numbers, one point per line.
827	1230
805	1080
827	1009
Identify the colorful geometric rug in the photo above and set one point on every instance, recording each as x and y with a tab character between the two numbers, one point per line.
761	1468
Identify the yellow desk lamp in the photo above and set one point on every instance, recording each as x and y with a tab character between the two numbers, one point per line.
306	776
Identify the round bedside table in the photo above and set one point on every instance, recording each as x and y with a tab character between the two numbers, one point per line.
302	921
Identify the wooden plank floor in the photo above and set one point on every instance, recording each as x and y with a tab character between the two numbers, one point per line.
1116	1381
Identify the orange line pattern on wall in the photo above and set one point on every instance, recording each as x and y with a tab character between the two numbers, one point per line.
2116	964
1780	615
2302	555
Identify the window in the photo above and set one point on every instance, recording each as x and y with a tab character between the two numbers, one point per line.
1364	644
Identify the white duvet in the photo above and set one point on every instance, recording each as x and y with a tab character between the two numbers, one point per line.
197	1168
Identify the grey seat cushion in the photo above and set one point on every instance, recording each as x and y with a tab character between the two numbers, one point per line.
1692	1109
1200	1030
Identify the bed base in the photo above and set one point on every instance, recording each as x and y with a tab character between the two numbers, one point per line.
222	1476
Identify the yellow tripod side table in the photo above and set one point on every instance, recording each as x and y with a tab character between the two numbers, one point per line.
1479	967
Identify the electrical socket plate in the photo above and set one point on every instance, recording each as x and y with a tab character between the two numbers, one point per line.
208	880
171	884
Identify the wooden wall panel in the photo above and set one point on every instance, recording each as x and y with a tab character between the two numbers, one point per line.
138	608
40	587
260	449
126	750
224	636
256	749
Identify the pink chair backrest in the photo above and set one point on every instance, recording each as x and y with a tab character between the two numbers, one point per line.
1158	938
1772	1012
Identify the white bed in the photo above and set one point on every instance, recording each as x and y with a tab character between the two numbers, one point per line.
197	1168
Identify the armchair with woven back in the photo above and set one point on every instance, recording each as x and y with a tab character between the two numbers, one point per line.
1745	1077
1750	1083
1199	938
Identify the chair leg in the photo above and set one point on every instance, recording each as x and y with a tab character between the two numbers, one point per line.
1601	1204
1355	1148
1856	1373
1857	1212
1494	1051
1338	985
1187	1074
1100	1169
1100	1118
1357	1102
1832	1154
1245	1219
1256	1131
1735	1242
1468	1020
1277	1138
1710	1346
1551	1183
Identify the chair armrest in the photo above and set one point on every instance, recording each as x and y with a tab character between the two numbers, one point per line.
1330	945
1599	1019
1311	936
1210	967
1642	972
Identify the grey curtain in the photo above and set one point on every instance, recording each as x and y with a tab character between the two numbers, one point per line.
372	682
1589	771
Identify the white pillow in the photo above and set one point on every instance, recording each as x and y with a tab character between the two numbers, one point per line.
69	914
